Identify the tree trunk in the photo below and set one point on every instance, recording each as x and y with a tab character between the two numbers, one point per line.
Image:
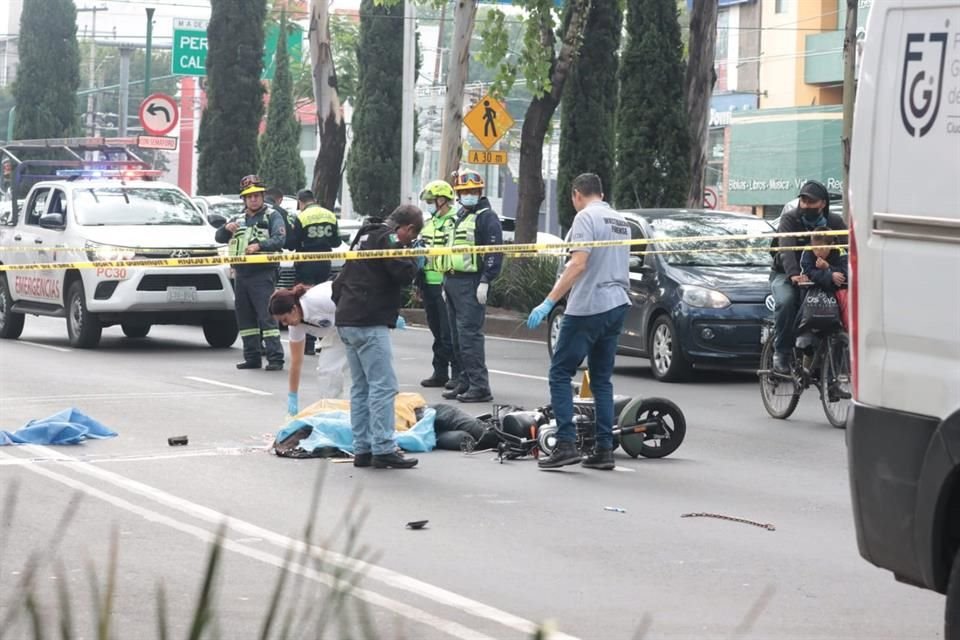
328	169
699	87
464	19
536	121
849	94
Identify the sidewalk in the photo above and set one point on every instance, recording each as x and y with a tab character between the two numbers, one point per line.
500	322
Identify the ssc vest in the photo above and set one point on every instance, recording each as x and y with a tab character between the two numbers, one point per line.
464	234
319	228
435	234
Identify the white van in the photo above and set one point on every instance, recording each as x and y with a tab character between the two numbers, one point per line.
903	433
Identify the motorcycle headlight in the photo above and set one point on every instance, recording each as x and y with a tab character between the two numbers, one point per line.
107	253
702	297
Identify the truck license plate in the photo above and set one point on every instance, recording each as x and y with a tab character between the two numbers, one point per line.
181	294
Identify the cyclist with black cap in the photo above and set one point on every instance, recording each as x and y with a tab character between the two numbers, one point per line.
812	212
258	230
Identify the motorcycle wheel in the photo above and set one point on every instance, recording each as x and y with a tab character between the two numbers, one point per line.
659	441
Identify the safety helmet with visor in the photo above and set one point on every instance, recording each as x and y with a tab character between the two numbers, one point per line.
251	184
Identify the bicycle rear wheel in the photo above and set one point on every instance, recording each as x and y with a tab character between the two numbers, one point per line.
779	392
836	381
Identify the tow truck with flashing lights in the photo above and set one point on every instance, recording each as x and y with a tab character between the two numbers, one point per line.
109	208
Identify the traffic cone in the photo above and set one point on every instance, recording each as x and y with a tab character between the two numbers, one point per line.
585	391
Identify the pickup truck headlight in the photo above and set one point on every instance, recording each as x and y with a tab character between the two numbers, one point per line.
705	298
108	253
223	251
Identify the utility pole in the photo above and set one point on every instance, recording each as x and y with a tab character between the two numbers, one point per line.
464	19
849	97
148	54
437	65
406	134
125	53
91	99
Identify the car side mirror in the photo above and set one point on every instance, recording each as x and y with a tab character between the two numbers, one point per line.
51	220
216	220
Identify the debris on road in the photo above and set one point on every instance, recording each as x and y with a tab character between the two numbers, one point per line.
176	441
719	516
417	524
615	509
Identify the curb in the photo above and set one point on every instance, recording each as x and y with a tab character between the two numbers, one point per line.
499	322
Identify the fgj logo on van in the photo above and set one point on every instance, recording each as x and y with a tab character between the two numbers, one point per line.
922	82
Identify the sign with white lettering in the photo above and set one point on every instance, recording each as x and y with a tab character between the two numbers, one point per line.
189	47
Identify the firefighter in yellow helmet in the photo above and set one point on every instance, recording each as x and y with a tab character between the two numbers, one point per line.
259	229
441	204
466	283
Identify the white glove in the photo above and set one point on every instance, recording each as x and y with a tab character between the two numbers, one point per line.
482	292
443	293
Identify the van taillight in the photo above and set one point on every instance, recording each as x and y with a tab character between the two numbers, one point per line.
854	310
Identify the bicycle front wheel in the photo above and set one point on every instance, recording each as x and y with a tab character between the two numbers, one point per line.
836	381
779	392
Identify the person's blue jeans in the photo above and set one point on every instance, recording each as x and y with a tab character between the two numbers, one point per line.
786	297
595	338
374	388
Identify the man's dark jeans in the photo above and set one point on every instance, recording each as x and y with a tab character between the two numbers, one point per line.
595	338
466	327
436	309
787	300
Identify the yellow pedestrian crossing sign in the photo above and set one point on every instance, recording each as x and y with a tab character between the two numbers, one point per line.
488	120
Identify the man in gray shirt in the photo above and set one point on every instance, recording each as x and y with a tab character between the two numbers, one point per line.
598	280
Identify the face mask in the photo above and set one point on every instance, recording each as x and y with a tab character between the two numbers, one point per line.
431	208
811	216
470	201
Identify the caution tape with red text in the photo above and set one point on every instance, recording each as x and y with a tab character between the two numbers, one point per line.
513	249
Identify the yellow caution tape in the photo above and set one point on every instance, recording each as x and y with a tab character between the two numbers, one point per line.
276	258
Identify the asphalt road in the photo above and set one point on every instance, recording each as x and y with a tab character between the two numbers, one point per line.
507	546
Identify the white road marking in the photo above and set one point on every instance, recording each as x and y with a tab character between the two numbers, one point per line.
518	375
371	597
202	453
120	396
627	469
229	386
523	340
370	571
42	346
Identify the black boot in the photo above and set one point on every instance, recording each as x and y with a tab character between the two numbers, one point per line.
249	364
564	454
475	395
436	380
275	366
453	393
393	460
600	459
363	459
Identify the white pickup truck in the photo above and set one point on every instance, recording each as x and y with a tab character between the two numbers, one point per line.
95	219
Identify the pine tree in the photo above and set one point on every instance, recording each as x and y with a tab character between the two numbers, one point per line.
652	138
48	75
227	142
589	106
373	166
280	163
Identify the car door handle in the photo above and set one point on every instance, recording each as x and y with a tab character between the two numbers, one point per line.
18	237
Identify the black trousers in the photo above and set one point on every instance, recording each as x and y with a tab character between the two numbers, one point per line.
444	357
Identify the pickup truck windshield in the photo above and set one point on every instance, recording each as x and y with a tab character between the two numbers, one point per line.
102	206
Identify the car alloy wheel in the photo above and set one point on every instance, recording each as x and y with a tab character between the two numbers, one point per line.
662	349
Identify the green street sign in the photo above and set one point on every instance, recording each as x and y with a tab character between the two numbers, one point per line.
189	47
271	37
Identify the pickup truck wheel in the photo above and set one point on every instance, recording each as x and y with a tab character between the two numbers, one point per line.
135	330
952	631
11	323
221	330
83	327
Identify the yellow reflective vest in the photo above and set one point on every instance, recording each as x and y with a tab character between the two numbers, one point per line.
435	234
464	235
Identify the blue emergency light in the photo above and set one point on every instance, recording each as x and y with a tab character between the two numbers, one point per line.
123	174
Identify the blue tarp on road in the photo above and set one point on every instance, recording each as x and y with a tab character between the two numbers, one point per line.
67	427
332	429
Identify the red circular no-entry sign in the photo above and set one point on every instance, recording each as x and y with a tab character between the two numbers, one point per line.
159	114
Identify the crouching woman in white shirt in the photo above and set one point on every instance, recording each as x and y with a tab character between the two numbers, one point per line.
310	310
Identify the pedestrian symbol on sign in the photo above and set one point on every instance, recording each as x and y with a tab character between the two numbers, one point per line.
489	115
488	120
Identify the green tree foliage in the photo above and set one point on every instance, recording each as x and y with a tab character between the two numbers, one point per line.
49	71
589	106
373	166
280	163
227	142
652	139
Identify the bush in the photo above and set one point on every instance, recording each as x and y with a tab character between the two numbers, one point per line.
524	282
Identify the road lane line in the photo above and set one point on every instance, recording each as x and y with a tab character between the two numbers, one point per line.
486	337
518	375
373	598
120	396
42	346
370	571
229	386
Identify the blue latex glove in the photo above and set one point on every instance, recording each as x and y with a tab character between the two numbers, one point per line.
421	260
293	403
401	323
539	313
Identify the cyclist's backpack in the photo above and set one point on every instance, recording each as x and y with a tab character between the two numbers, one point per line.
819	311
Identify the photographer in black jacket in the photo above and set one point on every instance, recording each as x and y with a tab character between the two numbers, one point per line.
368	295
